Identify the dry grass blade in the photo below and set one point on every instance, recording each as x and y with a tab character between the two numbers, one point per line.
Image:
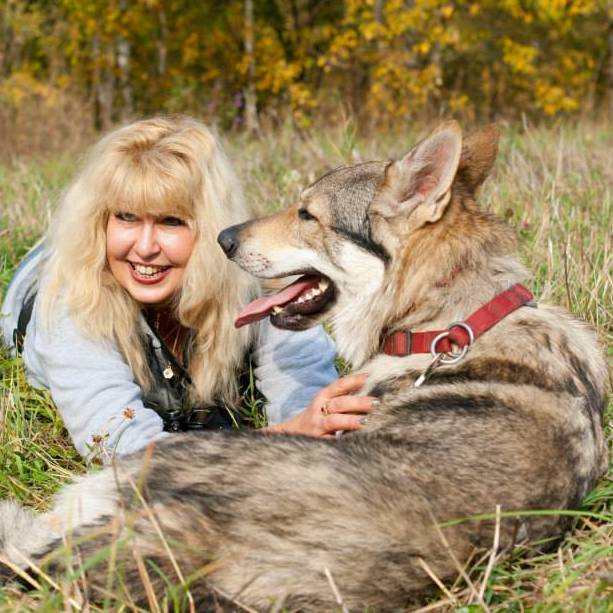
474	594
435	606
21	573
146	580
158	529
69	600
436	580
335	590
494	552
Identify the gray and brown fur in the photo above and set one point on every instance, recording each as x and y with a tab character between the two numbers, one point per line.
517	423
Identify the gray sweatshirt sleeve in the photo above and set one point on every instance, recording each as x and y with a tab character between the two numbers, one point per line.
90	382
92	386
291	367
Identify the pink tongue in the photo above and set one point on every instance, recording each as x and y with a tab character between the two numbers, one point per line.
262	307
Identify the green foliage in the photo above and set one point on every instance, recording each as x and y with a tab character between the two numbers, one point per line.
98	61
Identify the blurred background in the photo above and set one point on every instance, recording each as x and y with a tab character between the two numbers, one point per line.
69	68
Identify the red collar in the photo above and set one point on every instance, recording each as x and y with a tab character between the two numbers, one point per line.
459	333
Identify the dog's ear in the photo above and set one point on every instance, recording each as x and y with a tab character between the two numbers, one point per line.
478	156
420	182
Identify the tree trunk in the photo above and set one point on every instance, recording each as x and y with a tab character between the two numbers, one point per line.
6	41
103	86
124	52
161	42
610	84
251	112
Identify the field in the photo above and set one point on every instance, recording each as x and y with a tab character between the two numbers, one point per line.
553	184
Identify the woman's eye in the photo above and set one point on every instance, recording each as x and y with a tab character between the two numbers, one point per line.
173	221
123	216
305	215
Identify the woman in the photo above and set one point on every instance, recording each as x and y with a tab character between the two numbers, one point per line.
125	310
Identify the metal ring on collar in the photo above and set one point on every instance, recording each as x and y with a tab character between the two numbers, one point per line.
469	330
452	357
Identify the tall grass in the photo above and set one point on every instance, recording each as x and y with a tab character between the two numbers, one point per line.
554	185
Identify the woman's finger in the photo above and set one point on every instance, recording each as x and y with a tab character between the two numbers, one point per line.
342	421
342	386
349	404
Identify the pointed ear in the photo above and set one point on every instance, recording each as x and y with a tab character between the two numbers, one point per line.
422	178
478	156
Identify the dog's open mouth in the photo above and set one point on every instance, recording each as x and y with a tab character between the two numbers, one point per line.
294	307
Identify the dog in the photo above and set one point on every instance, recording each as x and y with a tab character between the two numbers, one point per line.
475	428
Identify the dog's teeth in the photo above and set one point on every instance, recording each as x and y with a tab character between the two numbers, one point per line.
323	285
276	310
312	293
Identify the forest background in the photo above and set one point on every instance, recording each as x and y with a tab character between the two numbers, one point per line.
71	67
296	87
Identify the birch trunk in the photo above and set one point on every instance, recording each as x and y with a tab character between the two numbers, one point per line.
251	112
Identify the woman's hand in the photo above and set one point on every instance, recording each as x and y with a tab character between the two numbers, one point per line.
331	410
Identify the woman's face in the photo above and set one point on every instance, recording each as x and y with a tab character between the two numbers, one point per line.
148	254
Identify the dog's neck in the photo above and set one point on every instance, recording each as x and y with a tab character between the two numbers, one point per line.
445	273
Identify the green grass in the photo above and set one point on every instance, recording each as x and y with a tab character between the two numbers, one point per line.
554	185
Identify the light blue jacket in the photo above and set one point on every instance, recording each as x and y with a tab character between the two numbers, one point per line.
92	384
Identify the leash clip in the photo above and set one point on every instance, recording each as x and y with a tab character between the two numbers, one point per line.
451	357
426	372
445	357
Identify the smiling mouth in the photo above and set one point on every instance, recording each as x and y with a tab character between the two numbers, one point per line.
296	307
148	271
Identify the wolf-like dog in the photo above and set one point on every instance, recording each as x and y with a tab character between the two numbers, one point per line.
513	419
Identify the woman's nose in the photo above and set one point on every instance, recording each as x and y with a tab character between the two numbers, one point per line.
147	245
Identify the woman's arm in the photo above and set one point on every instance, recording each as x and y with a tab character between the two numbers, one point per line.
291	368
92	386
295	372
333	410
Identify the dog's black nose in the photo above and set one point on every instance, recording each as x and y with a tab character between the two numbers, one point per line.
228	241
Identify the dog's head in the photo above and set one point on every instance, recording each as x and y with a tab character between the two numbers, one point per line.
350	227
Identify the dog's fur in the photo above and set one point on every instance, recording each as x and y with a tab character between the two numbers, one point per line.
517	423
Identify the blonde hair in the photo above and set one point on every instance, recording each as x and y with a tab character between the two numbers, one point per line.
164	165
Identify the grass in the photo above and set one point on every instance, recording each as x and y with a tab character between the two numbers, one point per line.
554	184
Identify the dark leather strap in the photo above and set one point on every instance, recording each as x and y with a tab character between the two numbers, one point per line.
169	396
25	314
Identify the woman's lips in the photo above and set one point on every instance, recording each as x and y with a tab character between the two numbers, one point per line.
149	279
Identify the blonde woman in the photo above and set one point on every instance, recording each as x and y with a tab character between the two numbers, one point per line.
125	309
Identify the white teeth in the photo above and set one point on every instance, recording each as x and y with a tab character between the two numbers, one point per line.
315	291
323	285
276	310
148	270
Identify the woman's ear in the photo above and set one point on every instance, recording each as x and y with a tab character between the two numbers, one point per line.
420	182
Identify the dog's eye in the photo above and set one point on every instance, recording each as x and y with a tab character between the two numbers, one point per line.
305	215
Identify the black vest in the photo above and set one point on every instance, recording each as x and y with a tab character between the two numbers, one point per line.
169	395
